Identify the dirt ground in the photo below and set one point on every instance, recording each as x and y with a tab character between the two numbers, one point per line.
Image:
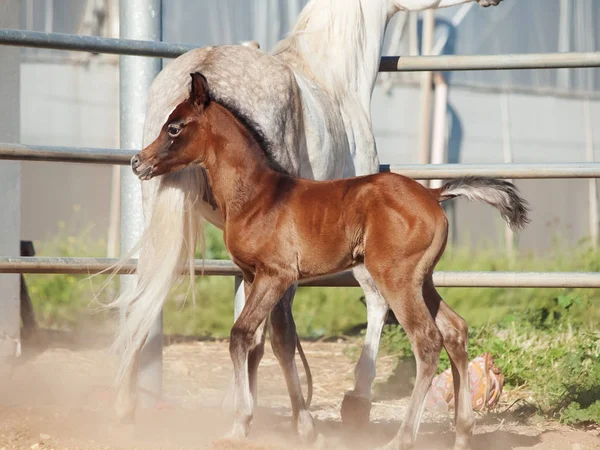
58	399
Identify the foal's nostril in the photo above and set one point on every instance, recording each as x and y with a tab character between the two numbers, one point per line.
135	161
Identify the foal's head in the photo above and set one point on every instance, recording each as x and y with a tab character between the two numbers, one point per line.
184	137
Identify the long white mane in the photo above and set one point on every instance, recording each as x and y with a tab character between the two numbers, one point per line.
323	34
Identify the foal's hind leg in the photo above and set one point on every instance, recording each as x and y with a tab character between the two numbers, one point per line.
356	406
254	357
283	341
455	336
405	297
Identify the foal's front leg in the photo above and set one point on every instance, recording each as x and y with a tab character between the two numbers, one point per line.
257	352
263	296
284	341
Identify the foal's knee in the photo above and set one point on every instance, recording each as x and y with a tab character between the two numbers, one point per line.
240	340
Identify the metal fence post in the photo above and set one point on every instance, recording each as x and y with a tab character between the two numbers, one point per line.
138	19
10	186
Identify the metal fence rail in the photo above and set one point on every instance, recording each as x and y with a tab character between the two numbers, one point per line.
89	266
91	44
60	41
504	170
489	62
21	152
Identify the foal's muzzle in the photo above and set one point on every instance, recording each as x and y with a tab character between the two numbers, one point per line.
135	163
486	3
144	173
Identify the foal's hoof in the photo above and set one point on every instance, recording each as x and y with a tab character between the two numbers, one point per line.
125	410
462	447
228	444
238	432
125	417
355	410
305	427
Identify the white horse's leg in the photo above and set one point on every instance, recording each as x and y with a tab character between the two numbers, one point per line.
356	406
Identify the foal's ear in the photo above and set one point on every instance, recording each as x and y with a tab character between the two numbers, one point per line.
199	95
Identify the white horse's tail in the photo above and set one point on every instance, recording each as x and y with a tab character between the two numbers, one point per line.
167	246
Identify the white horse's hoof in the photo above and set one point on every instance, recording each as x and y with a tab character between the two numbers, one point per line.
355	410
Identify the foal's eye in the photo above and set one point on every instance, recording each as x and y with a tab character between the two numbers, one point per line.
173	130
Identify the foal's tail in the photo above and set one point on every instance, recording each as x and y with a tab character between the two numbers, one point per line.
309	380
500	194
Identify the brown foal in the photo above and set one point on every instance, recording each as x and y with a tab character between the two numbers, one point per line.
280	229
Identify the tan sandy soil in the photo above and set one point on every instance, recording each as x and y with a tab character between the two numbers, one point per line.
57	399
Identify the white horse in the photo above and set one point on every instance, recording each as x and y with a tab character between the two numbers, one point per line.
310	99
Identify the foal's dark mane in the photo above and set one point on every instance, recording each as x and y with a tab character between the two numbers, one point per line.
255	131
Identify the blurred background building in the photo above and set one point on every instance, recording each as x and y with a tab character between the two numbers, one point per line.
72	99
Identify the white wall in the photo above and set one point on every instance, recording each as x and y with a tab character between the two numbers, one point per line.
67	105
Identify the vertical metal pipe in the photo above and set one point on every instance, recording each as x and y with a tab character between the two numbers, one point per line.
426	80
10	186
509	235
589	156
49	17
138	19
440	111
413	34
563	77
114	221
